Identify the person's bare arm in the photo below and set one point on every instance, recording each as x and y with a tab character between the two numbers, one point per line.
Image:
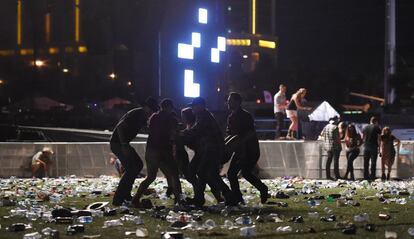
299	104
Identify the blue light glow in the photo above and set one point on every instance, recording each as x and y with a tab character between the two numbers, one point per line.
202	15
185	51
191	89
215	55
196	39
221	43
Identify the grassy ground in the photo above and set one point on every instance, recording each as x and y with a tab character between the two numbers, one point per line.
402	218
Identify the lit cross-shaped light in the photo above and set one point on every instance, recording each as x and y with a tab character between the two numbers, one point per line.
202	15
191	89
215	52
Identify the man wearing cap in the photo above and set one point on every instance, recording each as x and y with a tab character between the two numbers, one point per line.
245	145
209	142
125	131
332	146
159	151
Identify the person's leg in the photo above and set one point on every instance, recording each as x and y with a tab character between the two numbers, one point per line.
336	154
170	170
152	169
233	179
367	156
374	157
354	154
133	165
328	164
348	163
247	172
279	124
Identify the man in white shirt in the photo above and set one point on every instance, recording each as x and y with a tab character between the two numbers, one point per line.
279	109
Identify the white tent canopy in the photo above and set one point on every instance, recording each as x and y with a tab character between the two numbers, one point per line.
323	112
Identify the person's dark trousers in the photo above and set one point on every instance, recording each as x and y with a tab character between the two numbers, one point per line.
208	172
247	172
132	164
370	154
279	116
163	160
332	155
244	160
351	155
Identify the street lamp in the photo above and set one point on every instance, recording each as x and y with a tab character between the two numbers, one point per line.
39	63
112	76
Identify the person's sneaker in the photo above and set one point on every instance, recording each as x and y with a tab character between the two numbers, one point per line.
143	204
264	195
281	195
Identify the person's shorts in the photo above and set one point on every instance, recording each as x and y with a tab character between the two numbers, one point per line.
291	113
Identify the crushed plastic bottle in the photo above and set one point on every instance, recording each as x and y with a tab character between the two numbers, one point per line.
361	217
244	220
284	229
33	235
141	232
411	231
313	214
131	218
401	201
85	219
209	224
112	223
327	210
391	235
228	225
248	231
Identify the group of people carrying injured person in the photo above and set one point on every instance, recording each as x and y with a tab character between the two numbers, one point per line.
165	150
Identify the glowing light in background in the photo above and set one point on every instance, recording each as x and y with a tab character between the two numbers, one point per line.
215	52
191	89
215	55
202	15
221	43
196	39
185	51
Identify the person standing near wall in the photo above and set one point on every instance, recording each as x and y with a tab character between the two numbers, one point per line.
279	109
387	151
294	105
332	146
371	137
352	141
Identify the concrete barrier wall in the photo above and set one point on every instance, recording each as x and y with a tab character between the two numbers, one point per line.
278	158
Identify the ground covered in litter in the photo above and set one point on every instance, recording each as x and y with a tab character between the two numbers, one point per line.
42	208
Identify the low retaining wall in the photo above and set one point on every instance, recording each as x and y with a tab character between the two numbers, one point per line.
278	158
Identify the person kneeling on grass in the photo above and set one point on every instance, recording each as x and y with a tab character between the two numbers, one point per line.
41	162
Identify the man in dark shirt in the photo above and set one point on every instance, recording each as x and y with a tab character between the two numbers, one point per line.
245	147
209	147
125	131
159	151
371	138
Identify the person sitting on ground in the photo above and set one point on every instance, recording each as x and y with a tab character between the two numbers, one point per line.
387	151
113	160
41	162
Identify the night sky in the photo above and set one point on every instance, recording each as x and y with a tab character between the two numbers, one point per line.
335	44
